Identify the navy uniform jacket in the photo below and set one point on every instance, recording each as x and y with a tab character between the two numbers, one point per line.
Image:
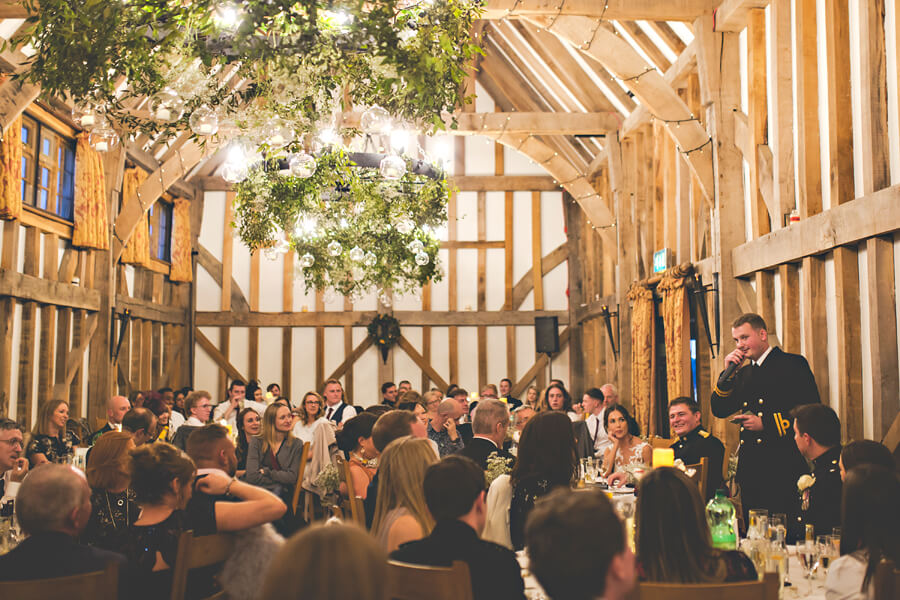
479	449
769	463
824	510
695	445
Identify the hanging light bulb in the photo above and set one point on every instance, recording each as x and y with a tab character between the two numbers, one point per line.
357	254
375	120
328	137
335	248
307	260
278	133
228	16
204	121
166	106
103	138
302	165
87	114
234	172
392	167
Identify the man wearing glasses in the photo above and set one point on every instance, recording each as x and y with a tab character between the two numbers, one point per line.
13	466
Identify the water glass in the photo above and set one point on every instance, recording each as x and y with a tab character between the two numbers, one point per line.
808	553
777	561
758	525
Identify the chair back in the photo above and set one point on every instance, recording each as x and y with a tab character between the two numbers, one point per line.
304	458
700	471
99	422
419	582
661	442
197	552
887	581
353	506
99	584
767	589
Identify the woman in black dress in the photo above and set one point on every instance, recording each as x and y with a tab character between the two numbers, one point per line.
50	440
113	506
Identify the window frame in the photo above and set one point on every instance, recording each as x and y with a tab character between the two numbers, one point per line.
35	162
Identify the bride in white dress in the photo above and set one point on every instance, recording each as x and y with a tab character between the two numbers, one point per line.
627	448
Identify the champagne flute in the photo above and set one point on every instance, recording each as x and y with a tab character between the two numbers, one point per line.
808	553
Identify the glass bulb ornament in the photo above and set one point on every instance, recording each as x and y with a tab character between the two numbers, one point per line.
375	120
328	137
307	260
422	259
278	133
271	253
302	165
370	260
282	246
335	248
166	106
392	167
88	114
235	172
204	121
416	246
405	225
103	138
306	227
357	254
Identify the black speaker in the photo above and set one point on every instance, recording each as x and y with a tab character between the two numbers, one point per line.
546	335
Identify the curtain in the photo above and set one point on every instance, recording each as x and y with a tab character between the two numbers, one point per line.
181	242
675	321
137	248
11	171
91	217
641	353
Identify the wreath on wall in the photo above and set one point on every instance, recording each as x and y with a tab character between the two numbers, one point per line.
385	333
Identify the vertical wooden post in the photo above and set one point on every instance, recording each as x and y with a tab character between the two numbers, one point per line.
623	200
47	348
882	334
8	258
426	337
782	141
790	307
320	347
875	168
482	292
849	371
840	109
575	229
287	305
253	353
227	250
809	172
348	348
815	322
29	322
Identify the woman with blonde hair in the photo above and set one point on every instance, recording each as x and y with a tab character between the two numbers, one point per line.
401	514
431	400
305	567
531	397
50	440
113	505
273	457
312	414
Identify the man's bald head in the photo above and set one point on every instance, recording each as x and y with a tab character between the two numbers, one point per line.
448	408
116	408
54	498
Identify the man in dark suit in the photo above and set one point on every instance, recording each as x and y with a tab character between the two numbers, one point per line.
53	506
764	392
817	432
454	493
506	392
695	443
116	407
489	428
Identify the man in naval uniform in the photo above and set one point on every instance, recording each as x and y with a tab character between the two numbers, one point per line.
817	431
764	392
695	443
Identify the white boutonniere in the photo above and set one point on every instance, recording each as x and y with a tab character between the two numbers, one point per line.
803	485
679	464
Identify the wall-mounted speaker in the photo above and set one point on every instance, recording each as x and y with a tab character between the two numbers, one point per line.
546	335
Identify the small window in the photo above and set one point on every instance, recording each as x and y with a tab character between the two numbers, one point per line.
48	172
161	230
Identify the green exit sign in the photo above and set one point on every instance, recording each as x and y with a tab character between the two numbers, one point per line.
661	260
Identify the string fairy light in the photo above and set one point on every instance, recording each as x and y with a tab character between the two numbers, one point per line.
697	149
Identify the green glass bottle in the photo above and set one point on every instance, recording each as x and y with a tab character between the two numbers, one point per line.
721	516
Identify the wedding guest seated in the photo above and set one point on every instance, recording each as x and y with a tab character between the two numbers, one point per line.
50	440
403	387
531	397
627	447
378	409
249	424
556	397
136	398
672	538
522	415
53	507
13	466
870	531
401	514
463	414
431	400
197	406
273	458
116	407
490	424
865	452
545	460
694	442
442	429
236	505
113	503
817	431
454	493
355	441
336	410
312	414
154	403
576	547
416	407
505	390
141	424
328	562
390	426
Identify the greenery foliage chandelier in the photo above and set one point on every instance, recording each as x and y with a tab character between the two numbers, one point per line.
274	80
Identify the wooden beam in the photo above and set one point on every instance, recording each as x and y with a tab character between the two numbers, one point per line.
869	216
420	362
8	258
849	344
15	96
473	245
151	311
362	318
624	10
882	333
526	283
510	183
875	167
809	169
217	356
45	291
351	358
212	265
781	96
539	365
535	123
840	106
75	357
815	322
732	15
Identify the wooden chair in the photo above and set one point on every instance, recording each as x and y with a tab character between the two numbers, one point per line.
419	582
661	442
887	581
701	469
304	458
99	584
197	552
767	589
352	506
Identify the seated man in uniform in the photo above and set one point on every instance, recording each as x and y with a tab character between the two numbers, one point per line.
694	442
817	431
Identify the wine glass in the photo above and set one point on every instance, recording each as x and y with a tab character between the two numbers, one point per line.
808	553
827	551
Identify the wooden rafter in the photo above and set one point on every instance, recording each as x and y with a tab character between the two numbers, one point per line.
361	318
731	15
536	123
539	365
420	362
628	10
217	356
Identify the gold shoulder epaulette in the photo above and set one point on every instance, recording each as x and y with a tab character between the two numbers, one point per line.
704	433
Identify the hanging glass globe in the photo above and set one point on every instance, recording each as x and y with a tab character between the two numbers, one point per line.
307	260
404	226
302	165
416	246
166	106
103	138
278	133
282	246
370	260
234	172
204	121
271	253
88	114
357	254
384	297
392	167
422	259
305	227
335	248
375	120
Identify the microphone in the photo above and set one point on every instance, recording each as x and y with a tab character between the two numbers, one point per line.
728	372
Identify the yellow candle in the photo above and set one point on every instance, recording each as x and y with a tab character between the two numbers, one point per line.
663	457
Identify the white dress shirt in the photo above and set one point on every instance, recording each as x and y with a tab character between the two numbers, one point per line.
759	362
304	432
598	432
176	420
349	412
10	489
